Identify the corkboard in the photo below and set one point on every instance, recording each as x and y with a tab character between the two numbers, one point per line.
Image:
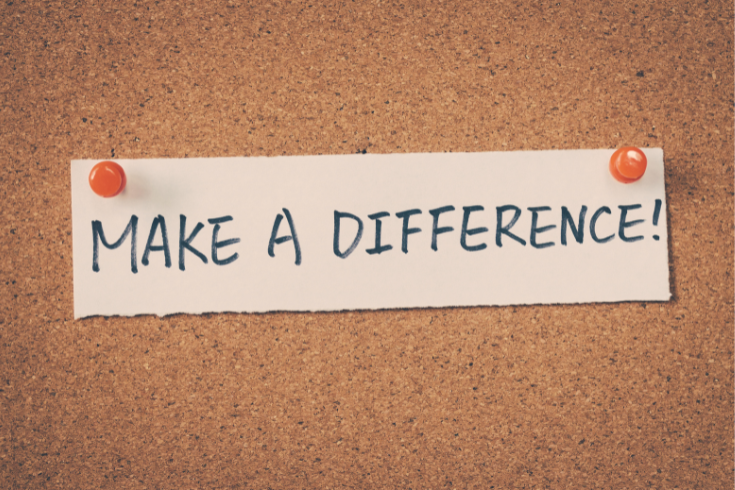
626	395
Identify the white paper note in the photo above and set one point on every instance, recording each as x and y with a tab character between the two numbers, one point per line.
456	229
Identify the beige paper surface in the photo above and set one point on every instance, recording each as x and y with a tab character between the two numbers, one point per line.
475	258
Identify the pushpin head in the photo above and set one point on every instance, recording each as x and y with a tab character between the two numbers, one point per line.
107	179
628	164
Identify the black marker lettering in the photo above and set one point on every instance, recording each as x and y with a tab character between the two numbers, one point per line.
99	235
216	244
656	212
593	224
338	215
277	241
406	215
185	243
505	230
158	221
378	230
577	231
627	224
435	229
536	230
469	232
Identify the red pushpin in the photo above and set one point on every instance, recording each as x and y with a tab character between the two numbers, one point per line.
628	164
107	179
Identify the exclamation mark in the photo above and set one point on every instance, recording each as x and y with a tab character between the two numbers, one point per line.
656	213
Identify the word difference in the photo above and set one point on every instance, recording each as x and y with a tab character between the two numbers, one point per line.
570	226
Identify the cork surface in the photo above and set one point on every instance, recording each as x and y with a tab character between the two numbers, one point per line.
632	395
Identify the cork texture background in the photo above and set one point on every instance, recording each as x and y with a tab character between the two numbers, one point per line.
631	395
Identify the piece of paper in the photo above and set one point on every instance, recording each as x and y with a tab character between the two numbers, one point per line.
298	233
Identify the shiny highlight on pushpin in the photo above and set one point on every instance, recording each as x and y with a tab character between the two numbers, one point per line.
107	179
628	164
